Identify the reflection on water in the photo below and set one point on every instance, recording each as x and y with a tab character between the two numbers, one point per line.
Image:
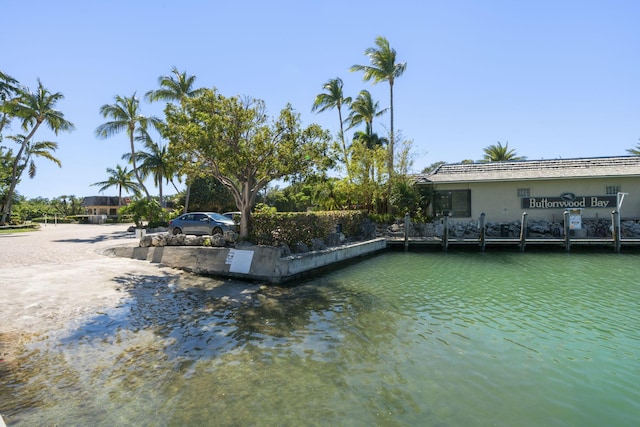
399	339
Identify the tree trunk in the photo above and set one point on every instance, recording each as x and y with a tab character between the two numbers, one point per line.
186	198
15	177
135	166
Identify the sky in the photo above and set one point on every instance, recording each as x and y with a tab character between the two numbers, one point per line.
553	79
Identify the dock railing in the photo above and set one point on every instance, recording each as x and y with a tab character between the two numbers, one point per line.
446	232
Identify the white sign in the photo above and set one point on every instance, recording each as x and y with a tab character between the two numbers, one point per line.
239	261
575	219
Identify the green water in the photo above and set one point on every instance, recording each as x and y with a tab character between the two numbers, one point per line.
400	339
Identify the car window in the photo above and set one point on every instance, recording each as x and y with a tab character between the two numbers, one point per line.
201	217
188	217
218	217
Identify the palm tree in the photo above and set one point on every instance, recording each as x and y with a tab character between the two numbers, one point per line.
500	153
39	149
125	113
364	110
634	151
122	178
155	162
33	109
334	98
383	68
8	90
176	87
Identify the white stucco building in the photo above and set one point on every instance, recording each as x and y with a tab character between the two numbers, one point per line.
542	188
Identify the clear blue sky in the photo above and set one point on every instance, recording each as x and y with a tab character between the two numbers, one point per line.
554	79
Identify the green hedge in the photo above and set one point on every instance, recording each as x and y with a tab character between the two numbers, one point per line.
293	227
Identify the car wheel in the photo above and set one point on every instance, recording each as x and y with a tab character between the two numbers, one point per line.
216	230
176	231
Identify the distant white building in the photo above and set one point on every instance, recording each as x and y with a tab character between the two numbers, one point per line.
542	188
103	205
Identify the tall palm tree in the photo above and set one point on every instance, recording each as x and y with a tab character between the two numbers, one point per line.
126	116
500	153
122	178
334	98
33	109
383	68
176	87
155	162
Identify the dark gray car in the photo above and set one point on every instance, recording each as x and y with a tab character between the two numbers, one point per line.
201	223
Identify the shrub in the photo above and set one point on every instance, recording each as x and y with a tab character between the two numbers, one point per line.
273	228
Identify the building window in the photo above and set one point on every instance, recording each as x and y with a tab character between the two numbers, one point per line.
453	203
524	192
612	190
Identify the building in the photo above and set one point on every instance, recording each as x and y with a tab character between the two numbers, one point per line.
544	189
102	205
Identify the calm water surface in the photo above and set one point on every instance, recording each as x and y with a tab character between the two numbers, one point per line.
401	339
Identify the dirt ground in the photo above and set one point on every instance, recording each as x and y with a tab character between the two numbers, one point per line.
59	274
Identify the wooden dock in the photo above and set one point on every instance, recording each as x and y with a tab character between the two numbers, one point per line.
501	242
615	242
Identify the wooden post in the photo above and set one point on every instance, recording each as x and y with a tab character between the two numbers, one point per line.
406	231
483	231
567	240
445	234
615	230
523	232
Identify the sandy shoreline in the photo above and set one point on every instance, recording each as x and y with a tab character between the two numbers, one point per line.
58	275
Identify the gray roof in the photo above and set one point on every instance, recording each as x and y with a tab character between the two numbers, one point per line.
597	167
100	201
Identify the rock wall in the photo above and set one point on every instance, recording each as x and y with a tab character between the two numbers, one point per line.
536	228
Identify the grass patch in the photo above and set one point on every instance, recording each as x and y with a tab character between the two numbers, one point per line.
11	229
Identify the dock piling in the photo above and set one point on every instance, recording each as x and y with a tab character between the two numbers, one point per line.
567	239
483	231
615	229
523	232
407	222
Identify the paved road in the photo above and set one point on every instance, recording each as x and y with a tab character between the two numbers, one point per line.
54	276
61	243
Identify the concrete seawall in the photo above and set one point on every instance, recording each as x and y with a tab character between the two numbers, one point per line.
262	263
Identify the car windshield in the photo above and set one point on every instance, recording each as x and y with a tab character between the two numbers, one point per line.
219	217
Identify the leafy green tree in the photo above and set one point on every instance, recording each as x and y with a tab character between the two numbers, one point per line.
126	116
208	194
368	162
500	153
67	205
383	68
176	87
143	209
26	210
122	178
32	109
333	97
233	140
